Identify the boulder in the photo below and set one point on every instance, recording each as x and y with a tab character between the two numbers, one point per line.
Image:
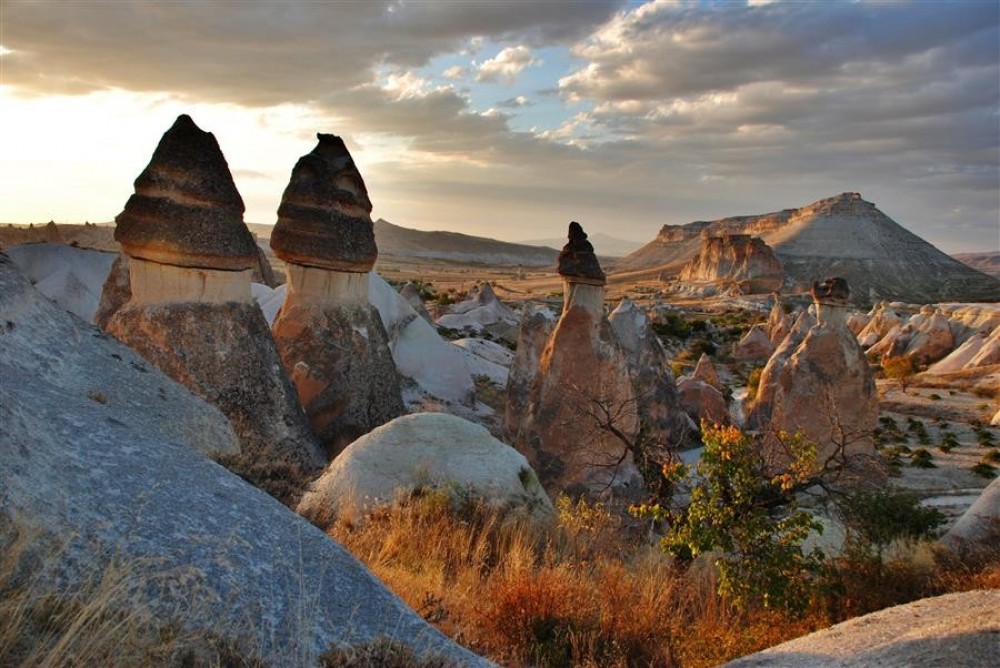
705	371
46	353
755	345
331	340
821	385
577	260
190	310
411	293
954	629
423	451
103	469
980	523
702	401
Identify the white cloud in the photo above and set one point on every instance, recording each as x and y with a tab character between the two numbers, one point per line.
455	72
507	64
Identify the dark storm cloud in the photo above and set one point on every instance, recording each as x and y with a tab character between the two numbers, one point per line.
255	53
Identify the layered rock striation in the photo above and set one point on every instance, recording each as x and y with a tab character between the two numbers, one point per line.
189	309
331	340
735	258
842	235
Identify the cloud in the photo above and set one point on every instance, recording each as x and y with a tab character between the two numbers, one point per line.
455	72
515	102
507	64
258	53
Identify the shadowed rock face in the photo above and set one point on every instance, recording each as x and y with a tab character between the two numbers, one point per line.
324	219
331	339
186	304
577	261
735	257
186	210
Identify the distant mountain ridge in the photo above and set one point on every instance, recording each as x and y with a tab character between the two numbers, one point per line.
453	246
988	263
839	236
605	245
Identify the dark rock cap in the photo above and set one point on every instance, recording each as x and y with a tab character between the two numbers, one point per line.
834	291
186	210
324	219
577	262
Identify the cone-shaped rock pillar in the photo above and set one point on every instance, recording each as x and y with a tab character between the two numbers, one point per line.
580	373
819	383
331	340
188	308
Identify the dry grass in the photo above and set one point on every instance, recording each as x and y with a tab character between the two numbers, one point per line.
589	591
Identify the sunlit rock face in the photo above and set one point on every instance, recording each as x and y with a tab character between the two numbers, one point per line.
331	340
819	383
735	257
186	305
558	414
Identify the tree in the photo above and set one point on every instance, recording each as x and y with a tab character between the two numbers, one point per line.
901	369
750	519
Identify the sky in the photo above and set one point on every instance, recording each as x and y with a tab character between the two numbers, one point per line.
508	119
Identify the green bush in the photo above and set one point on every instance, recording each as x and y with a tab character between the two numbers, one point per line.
877	519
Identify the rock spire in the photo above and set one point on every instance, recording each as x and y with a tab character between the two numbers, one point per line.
331	339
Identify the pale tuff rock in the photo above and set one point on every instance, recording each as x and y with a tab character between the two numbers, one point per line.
755	344
186	211
189	309
996	420
48	355
421	452
820	385
740	258
857	321
842	235
702	401
705	371
411	293
658	405
980	349
932	338
437	368
116	291
883	320
979	523
103	464
69	276
778	322
952	630
332	342
481	311
536	326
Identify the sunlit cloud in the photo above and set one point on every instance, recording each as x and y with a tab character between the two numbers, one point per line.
507	64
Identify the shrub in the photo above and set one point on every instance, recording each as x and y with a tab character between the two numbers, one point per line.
984	469
753	382
875	520
752	519
922	459
672	324
901	369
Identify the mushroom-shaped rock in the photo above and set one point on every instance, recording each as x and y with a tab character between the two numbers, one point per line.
420	451
186	210
577	261
324	219
820	384
331	340
189	308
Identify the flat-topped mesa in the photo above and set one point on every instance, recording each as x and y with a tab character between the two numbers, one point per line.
330	338
186	212
324	220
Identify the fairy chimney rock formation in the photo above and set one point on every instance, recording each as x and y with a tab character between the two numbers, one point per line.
819	383
581	369
183	228
331	340
187	302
